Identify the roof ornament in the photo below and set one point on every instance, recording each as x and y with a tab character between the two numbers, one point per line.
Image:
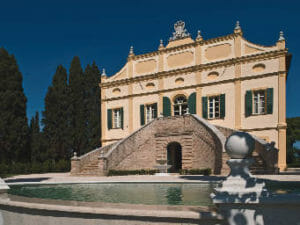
161	44
238	29
237	26
131	50
103	72
281	37
180	31
199	36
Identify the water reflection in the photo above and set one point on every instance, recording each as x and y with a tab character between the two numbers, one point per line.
174	195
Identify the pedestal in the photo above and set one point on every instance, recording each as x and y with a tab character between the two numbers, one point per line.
238	197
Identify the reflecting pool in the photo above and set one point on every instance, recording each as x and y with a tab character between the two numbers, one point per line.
132	193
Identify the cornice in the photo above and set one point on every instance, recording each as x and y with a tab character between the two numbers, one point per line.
218	39
258	129
196	68
185	46
251	77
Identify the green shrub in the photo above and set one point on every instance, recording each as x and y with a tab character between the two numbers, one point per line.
63	165
294	164
36	167
4	169
206	172
131	172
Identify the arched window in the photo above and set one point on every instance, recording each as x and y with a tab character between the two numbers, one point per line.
180	105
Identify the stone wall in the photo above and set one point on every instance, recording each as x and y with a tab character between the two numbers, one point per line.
141	150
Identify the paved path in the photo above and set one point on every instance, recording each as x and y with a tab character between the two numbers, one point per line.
66	178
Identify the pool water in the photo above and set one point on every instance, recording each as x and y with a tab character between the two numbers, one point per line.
138	193
132	193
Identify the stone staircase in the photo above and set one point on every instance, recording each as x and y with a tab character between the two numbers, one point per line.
133	152
90	169
258	166
89	164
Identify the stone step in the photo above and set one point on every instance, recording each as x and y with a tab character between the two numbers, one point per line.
293	169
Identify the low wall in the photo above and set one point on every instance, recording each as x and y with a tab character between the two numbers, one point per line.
24	213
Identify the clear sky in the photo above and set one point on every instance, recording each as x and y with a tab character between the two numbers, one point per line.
44	34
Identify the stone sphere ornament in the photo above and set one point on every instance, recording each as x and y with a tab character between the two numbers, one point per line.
239	145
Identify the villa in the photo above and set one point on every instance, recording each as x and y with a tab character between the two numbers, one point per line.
178	104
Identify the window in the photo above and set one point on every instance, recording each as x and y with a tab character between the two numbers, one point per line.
117	118
150	112
180	106
259	102
214	107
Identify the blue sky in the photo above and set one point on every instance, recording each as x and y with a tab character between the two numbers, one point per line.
44	34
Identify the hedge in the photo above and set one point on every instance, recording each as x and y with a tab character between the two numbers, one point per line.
206	172
131	172
36	167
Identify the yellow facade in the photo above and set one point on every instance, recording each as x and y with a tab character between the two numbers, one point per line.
228	65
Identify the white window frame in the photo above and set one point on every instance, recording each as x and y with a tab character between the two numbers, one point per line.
259	102
150	112
213	107
182	106
117	118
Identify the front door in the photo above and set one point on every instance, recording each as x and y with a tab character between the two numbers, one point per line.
174	156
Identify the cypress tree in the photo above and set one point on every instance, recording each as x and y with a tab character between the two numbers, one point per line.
77	114
92	105
55	116
37	146
13	122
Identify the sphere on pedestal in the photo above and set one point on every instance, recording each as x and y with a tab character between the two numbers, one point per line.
239	145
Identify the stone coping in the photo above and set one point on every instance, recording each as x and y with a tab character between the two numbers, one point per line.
60	178
100	209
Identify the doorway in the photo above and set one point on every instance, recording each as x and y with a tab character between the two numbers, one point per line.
174	156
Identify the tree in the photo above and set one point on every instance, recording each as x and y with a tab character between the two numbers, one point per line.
92	106
55	117
77	115
13	123
37	145
293	134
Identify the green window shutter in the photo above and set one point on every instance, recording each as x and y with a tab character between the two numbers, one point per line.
155	110
204	107
142	114
192	103
248	103
269	100
166	106
109	119
222	105
122	117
